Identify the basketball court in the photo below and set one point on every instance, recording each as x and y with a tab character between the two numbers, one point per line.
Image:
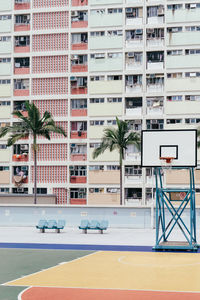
112	275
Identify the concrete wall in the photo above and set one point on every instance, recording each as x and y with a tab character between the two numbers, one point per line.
5	155
105	109
5	47
5	26
183	84
117	216
182	15
183	38
6	5
183	61
104	177
102	2
106	87
27	199
181	107
5	90
106	64
103	20
5	69
103	199
5	177
106	156
5	111
106	42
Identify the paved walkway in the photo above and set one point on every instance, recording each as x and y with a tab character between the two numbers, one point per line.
113	236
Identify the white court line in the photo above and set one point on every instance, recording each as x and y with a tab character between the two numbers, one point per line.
22	292
121	258
70	261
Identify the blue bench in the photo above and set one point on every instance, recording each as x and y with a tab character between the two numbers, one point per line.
93	225
50	224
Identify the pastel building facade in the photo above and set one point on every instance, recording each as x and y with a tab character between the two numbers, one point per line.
88	61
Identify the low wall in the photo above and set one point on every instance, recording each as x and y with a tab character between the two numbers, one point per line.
27	199
28	215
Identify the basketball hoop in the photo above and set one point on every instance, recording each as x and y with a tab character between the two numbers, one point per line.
168	160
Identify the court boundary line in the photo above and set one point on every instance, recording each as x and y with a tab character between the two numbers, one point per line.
67	262
90	247
19	297
117	289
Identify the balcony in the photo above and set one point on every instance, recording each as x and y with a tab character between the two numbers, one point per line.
22	44
79	19
22	65
133	106
20	106
79	41
78	179
132	154
78	152
134	38
79	63
155	83
78	112
133	196
78	157
20	175
78	90
155	37
78	130
20	157
155	60
79	2
134	16
133	84
21	87
133	61
78	85
22	23
78	196
78	107
22	4
155	15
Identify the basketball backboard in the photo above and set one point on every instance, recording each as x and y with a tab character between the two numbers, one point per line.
181	145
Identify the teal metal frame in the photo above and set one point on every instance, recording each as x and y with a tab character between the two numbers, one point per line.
164	203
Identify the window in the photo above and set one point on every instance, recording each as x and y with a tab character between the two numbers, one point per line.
97	33
5	81
97	11
22	41
174	6
3	147
112	168
96	190
4	168
174	29
115	55
192	97
5	17
192	5
96	168
155	124
5	60
114	32
174	98
78	103
97	100
192	74
192	28
97	123
174	121
78	170
114	77
192	121
114	10
113	190
22	19
174	75
133	171
94	145
192	51
97	56
77	193
114	100
97	78
111	122
175	52
41	191
5	38
4	190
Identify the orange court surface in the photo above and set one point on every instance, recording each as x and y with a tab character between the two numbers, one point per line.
116	275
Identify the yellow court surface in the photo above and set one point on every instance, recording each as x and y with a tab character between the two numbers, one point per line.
122	270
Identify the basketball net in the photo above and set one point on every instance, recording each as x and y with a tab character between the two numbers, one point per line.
166	162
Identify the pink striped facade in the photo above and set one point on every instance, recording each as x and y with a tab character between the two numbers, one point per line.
51	20
50	64
50	174
50	42
52	152
49	3
61	195
50	86
58	108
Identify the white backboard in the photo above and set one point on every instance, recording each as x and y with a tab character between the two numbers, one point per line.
179	144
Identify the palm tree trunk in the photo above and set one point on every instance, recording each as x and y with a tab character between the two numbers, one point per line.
120	169
35	170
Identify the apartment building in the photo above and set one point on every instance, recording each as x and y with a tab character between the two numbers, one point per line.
88	61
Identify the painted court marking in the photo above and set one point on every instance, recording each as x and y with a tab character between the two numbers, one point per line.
104	270
91	294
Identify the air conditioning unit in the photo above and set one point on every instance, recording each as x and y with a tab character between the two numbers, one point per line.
99	55
175	29
24	147
129	10
72	78
20	190
193	75
138	31
130	54
160	11
75	57
154	121
193	5
74	13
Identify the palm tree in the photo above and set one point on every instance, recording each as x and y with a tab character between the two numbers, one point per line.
33	125
118	138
